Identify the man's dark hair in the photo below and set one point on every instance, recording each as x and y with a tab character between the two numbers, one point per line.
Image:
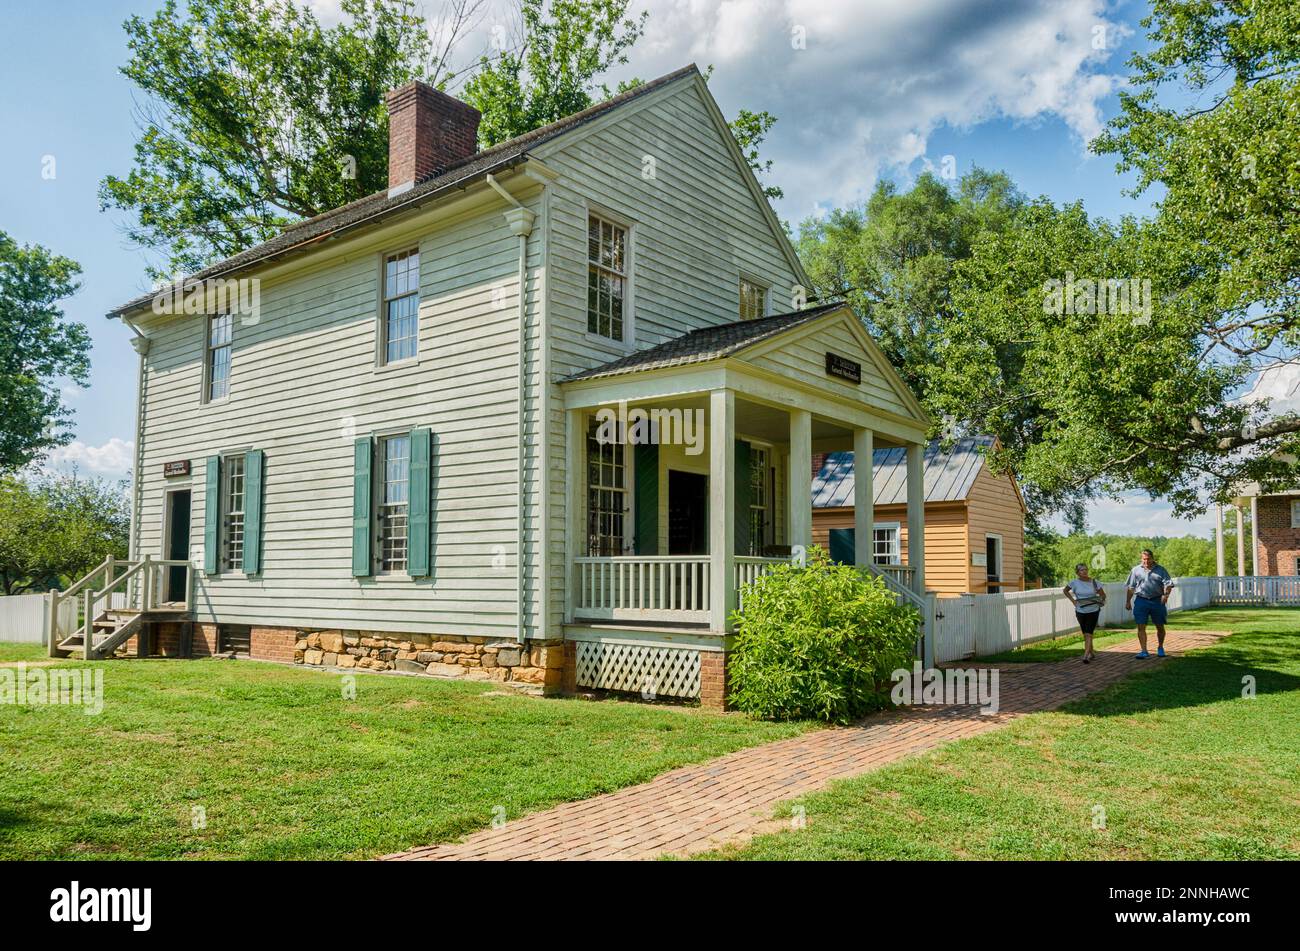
1148	551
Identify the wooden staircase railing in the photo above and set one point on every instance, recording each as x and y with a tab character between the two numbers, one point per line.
75	617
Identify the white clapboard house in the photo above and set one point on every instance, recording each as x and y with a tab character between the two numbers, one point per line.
396	458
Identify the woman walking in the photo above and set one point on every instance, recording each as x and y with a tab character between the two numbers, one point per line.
1088	597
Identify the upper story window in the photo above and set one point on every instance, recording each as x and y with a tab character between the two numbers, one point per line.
606	277
401	305
220	330
753	299
1295	513
393	501
232	513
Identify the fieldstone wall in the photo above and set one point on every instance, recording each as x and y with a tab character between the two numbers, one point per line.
533	665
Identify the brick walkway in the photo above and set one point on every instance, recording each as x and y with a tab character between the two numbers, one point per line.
727	800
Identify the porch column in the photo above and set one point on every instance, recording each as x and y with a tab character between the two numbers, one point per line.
722	508
575	444
915	515
864	496
800	494
1219	560
1241	543
1254	537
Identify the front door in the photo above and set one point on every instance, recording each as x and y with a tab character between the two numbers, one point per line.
177	542
688	513
993	562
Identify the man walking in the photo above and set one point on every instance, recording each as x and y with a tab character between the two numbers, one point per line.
1148	588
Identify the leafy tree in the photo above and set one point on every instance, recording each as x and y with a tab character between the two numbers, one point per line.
38	347
549	70
750	129
1211	119
1110	557
256	115
894	257
56	528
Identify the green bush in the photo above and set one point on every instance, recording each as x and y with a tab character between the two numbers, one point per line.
818	642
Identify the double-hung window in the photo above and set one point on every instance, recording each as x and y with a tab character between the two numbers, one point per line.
393	502
759	497
753	299
1295	513
401	322
607	269
884	545
232	513
607	501
220	331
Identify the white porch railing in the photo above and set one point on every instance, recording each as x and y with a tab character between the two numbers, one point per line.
1257	589
903	574
750	568
643	588
141	587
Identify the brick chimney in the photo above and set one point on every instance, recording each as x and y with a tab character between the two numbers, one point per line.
428	130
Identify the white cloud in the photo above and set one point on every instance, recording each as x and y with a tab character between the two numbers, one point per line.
1135	514
878	77
1280	384
113	457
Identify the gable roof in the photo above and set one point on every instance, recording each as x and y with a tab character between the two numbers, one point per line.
948	476
707	343
373	208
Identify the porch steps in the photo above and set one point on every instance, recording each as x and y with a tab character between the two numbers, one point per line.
111	630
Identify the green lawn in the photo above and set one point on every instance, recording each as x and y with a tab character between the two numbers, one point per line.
1183	766
26	652
285	767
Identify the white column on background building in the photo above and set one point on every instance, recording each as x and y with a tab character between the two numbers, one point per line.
864	500
916	515
800	478
722	507
1219	559
1241	543
1254	536
575	532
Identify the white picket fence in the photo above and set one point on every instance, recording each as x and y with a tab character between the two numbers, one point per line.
22	616
981	624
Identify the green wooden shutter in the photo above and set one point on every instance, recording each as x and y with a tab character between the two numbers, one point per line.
417	557
843	542
742	497
211	514
645	460
363	453
253	468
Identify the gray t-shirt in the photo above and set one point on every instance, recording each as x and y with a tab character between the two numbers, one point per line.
1150	584
1086	598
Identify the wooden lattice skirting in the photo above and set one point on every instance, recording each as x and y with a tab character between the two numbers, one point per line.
649	671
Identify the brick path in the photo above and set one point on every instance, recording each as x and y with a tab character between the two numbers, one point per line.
726	800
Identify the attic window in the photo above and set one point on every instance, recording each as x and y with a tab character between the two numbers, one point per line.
753	299
220	327
606	277
401	305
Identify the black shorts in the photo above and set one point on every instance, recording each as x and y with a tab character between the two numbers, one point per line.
1088	621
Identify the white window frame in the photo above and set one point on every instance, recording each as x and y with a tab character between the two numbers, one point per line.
896	545
379	466
1295	513
209	353
629	226
226	562
623	450
764	305
381	323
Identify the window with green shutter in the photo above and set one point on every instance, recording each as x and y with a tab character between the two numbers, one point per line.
646	480
417	564
254	478
211	514
361	502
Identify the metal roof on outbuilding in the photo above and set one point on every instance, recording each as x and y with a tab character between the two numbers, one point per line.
948	475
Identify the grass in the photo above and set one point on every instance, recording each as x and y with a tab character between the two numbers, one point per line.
1176	760
284	767
25	652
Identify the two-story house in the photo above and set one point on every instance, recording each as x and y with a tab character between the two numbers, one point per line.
531	415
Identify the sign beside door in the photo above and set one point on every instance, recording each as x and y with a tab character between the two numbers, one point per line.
179	467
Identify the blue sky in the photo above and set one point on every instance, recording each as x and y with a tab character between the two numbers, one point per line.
876	89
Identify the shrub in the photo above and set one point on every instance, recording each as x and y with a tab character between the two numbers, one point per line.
818	642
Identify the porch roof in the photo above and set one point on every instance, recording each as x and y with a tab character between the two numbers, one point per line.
708	343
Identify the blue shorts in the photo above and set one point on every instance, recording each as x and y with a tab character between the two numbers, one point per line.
1151	609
